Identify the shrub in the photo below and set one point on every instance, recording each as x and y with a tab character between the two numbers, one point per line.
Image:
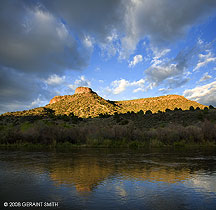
211	107
167	110
140	112
148	112
124	122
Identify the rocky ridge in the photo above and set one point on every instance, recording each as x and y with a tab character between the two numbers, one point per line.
86	103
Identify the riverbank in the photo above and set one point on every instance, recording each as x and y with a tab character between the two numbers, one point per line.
108	144
131	130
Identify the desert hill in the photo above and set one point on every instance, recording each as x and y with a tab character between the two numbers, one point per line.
86	103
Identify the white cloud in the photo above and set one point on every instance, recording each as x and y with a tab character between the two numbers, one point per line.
138	89
42	38
162	21
158	54
97	69
136	59
54	79
205	94
80	83
158	73
205	59
37	102
88	42
162	68
119	86
205	77
111	46
172	72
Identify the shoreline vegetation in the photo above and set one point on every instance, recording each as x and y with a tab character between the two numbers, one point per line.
172	128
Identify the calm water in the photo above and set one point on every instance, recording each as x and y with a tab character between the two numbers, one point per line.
109	179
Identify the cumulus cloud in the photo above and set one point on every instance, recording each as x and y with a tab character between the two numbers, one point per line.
136	59
158	54
46	35
168	70
42	38
131	20
161	20
35	41
205	94
55	80
18	91
119	86
173	71
80	82
205	77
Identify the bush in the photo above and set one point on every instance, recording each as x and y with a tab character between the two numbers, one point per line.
140	112
167	110
211	107
148	112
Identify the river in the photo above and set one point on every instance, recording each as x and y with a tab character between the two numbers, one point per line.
108	179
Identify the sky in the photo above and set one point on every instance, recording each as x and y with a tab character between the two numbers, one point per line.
122	49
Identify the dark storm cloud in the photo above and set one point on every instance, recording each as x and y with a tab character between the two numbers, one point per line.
168	19
47	36
19	90
33	40
95	17
16	90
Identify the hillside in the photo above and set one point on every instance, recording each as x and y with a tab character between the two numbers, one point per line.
86	103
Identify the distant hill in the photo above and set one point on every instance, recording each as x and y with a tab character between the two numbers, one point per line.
86	103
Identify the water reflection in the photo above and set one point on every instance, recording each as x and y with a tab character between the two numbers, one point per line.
84	173
115	178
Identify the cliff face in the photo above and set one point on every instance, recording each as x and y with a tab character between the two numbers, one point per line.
55	99
83	90
78	90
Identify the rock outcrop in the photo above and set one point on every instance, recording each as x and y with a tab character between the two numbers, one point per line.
86	103
83	90
78	90
55	99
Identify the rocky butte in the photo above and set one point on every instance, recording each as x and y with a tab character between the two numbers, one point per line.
83	90
87	103
78	90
